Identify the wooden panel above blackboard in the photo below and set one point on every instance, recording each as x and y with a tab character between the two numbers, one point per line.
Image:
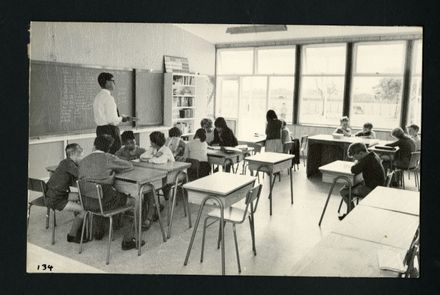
61	97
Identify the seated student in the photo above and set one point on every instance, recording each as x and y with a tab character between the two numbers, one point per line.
206	124
100	167
197	149
406	146
367	131
223	136
413	131
285	133
373	173
175	143
159	153
345	127
130	151
58	195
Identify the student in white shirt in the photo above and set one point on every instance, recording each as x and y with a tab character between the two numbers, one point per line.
159	153
197	149
106	113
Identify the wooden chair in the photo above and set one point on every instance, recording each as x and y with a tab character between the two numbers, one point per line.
303	147
38	185
288	149
235	215
94	191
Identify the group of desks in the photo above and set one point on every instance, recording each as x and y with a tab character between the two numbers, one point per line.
323	149
387	218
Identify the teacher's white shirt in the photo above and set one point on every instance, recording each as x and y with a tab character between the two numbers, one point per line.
105	110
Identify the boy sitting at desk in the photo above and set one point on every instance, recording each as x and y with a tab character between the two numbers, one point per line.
406	146
373	173
413	131
130	151
58	194
367	131
345	127
100	167
175	143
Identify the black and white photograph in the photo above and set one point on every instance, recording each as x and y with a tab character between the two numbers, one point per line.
225	149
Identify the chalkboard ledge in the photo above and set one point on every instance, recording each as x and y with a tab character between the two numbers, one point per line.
90	134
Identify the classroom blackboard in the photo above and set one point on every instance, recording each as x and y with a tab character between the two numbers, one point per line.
61	97
149	98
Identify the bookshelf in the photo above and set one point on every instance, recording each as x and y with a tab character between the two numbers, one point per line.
180	102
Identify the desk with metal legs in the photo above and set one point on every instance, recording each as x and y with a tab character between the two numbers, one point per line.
176	171
136	183
338	172
221	189
271	163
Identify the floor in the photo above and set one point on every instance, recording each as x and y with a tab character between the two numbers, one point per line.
281	239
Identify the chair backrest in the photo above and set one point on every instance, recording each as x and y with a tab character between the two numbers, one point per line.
389	178
38	185
414	160
252	198
304	141
91	190
412	270
195	167
287	147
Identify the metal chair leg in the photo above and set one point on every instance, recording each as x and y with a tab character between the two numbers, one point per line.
236	247
203	239
110	232
220	234
340	205
53	228
173	204
29	215
82	232
252	228
47	217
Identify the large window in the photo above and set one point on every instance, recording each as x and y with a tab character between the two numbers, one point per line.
322	84
377	84
415	97
251	81
239	61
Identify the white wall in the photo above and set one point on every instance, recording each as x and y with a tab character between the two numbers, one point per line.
112	45
132	45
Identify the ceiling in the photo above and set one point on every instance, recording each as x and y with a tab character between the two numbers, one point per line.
216	33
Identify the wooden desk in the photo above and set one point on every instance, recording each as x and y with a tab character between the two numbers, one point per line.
174	170
135	183
221	189
379	226
341	256
339	168
218	157
271	163
381	152
251	140
393	199
323	149
338	172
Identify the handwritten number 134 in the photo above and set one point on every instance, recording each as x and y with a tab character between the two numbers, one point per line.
44	267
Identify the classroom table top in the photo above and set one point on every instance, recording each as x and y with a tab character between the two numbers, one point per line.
270	158
252	138
222	154
383	151
168	167
380	226
348	139
341	256
220	183
393	199
338	167
140	175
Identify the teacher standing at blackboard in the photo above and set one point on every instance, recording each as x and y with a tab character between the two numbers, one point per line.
106	112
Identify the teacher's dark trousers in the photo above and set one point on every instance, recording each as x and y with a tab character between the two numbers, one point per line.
114	132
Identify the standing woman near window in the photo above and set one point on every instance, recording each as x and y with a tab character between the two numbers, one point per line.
273	133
